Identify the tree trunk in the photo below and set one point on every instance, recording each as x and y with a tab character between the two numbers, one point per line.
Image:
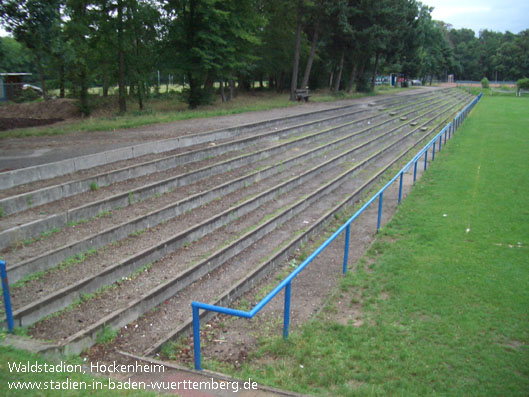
84	93
232	89
308	67
360	73
105	80
375	70
222	93
336	87
261	85
352	78
121	56
271	82
208	84
194	92
295	67
331	78
140	94
61	80
42	78
281	82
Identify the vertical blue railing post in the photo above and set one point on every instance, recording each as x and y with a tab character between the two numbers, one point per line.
196	337
379	219
440	142
286	317
433	152
446	132
450	131
7	297
425	159
346	248
400	186
415	171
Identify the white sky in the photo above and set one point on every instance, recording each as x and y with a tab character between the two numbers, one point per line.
496	15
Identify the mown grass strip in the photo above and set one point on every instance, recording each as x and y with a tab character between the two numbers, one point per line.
445	297
54	383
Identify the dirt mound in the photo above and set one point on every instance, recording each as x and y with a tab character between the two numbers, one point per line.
9	123
53	109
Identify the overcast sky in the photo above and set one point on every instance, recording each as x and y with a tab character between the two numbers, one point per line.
497	15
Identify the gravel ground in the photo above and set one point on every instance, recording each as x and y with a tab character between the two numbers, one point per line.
25	152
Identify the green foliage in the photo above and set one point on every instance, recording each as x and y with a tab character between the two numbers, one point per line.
93	186
523	83
11	355
28	95
212	46
16	57
485	82
106	335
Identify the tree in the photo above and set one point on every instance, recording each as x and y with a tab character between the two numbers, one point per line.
34	23
14	56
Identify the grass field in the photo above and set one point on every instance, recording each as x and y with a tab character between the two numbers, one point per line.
444	289
54	384
169	108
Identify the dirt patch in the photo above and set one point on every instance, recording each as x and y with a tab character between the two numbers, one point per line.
53	109
8	123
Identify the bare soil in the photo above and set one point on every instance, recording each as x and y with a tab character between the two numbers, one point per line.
45	110
8	123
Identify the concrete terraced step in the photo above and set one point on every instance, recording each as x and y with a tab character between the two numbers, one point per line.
53	257
39	173
46	222
157	250
135	309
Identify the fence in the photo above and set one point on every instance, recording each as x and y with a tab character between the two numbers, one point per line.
446	133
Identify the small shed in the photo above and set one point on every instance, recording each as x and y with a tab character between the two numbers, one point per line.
11	85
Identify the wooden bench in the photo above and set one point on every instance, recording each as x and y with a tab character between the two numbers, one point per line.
302	94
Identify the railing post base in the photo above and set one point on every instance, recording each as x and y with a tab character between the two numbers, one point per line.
346	248
7	297
379	219
286	316
196	338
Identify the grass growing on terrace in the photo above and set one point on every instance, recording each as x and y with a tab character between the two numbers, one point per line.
445	302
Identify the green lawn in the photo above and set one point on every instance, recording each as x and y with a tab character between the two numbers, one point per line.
446	301
45	383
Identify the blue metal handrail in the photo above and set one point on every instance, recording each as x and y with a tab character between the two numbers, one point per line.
449	130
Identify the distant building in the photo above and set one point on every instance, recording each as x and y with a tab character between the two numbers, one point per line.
11	85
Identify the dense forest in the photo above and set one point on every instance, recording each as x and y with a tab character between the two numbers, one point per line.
223	46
